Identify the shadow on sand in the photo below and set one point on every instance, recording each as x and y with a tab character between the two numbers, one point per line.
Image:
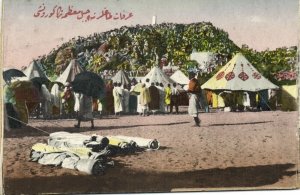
34	132
121	179
252	123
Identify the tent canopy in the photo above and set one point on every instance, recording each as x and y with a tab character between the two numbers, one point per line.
70	72
157	75
206	60
121	77
238	75
34	70
179	77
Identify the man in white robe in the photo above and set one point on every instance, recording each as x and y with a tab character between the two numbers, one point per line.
117	93
194	90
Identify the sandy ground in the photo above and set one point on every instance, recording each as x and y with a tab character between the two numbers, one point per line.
229	150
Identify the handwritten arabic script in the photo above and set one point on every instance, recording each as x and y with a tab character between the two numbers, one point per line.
58	12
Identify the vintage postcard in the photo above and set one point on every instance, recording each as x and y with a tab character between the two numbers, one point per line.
144	96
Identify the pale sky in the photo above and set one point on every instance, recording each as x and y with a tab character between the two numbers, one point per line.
261	24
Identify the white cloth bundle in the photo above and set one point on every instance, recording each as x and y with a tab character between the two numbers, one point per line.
141	142
48	155
65	139
90	166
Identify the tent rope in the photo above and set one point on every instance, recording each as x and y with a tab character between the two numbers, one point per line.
29	125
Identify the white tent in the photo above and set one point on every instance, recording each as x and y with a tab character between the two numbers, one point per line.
238	75
157	75
206	60
170	67
179	77
34	70
70	72
121	77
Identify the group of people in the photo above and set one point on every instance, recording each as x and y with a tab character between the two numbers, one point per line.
142	98
146	98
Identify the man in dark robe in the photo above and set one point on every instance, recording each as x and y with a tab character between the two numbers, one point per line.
154	95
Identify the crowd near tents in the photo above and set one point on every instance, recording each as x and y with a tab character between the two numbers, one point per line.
237	85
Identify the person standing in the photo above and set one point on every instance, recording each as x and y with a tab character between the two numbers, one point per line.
68	100
168	93
84	108
108	101
125	99
154	96
10	108
194	90
117	99
174	99
56	94
133	100
160	86
144	99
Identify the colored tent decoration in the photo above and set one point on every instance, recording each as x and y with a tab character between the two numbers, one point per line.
157	75
34	70
179	77
238	75
121	77
70	72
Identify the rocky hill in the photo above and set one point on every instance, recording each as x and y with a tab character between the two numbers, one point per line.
140	47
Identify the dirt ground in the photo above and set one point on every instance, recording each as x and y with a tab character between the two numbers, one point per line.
229	150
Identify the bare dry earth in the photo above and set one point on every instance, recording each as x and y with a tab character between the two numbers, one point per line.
229	150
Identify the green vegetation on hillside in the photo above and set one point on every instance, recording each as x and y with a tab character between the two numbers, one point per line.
140	47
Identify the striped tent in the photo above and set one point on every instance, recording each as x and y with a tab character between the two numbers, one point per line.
238	75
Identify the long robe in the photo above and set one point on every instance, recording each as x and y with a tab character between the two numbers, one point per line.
108	102
194	90
193	105
56	96
144	98
132	103
161	99
125	99
168	93
83	106
117	100
154	96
